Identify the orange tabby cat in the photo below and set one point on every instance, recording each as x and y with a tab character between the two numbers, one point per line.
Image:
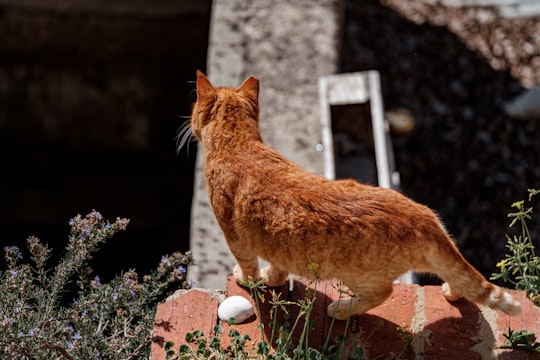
269	207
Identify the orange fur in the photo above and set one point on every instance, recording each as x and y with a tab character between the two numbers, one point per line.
269	207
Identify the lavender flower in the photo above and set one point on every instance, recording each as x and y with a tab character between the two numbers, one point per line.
13	250
96	214
90	320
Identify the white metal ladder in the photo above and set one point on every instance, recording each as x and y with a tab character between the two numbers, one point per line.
359	88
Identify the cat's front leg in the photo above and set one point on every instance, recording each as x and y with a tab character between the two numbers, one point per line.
247	263
273	276
246	271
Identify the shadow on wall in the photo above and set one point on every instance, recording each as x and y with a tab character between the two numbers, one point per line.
90	102
466	158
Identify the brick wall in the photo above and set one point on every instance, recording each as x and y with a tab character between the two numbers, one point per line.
439	329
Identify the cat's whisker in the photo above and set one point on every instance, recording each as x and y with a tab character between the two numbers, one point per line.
183	137
184	134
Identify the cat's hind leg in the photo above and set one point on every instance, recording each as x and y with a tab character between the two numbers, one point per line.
273	276
364	298
451	294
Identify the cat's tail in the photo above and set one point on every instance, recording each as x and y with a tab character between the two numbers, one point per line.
463	280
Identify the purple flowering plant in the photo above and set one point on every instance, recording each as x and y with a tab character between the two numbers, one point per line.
106	320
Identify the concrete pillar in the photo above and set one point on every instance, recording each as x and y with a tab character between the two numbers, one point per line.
288	45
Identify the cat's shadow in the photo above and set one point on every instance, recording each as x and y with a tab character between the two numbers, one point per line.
323	331
465	331
284	315
468	335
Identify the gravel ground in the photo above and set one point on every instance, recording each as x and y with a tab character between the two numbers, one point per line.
454	69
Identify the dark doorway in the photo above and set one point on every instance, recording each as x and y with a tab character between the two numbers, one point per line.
354	150
90	101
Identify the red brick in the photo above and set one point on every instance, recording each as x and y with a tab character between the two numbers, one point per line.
440	329
325	293
381	323
193	310
529	320
251	325
452	327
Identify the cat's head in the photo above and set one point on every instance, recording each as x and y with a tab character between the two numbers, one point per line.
220	108
215	104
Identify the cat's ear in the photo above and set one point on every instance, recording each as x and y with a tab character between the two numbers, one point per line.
204	86
250	87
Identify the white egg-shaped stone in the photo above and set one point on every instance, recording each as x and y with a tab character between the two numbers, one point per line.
235	309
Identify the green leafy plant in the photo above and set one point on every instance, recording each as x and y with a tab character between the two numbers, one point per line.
521	266
43	316
521	340
212	348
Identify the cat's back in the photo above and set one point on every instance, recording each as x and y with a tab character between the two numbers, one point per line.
278	190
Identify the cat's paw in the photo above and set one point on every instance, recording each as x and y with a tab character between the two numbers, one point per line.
240	276
340	309
273	277
237	273
449	294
